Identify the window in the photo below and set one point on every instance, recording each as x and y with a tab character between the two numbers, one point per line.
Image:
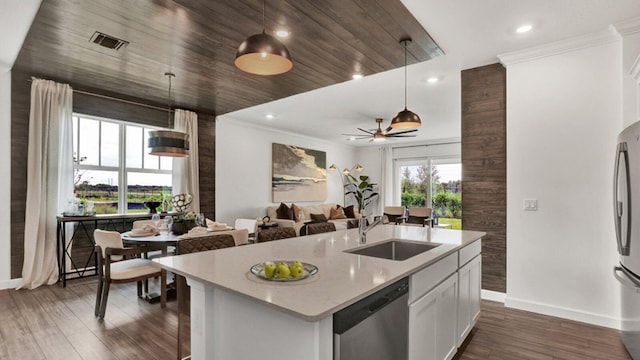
435	183
108	153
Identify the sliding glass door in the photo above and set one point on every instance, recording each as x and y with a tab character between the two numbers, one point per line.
434	183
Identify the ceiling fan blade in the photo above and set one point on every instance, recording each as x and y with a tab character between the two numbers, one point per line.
355	135
399	136
403	132
368	132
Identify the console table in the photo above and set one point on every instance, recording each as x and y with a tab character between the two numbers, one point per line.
87	264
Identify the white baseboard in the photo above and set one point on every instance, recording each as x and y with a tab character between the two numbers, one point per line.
493	295
10	284
562	312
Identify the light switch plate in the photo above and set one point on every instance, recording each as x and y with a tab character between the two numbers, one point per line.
530	204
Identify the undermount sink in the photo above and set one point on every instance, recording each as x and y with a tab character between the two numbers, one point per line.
394	249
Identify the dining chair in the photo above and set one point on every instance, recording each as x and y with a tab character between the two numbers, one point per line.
115	268
250	224
420	216
319	228
277	233
395	214
188	246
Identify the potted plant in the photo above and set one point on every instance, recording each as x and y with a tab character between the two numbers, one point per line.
362	190
183	223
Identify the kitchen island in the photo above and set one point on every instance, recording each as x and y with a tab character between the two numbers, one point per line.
235	315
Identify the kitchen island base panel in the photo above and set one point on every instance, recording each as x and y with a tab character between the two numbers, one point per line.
226	326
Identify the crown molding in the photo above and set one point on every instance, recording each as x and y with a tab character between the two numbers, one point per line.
559	47
233	121
628	27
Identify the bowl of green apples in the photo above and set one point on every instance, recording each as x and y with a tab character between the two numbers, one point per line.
283	270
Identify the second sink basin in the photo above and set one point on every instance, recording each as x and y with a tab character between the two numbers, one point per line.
394	249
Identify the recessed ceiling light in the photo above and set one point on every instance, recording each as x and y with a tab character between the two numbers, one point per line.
432	80
357	76
282	33
524	28
269	116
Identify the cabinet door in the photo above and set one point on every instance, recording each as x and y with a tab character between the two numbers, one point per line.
446	344
432	323
468	297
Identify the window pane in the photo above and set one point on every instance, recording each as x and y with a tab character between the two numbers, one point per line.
134	147
110	144
446	193
414	180
143	187
89	131
150	161
101	187
166	163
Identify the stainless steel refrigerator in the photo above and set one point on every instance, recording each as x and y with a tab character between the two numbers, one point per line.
626	208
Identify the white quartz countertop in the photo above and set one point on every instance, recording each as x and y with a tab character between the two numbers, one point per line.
342	278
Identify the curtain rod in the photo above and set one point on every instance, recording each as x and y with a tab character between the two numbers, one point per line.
114	98
426	145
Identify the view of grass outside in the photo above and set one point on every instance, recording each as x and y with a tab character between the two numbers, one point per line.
442	182
111	156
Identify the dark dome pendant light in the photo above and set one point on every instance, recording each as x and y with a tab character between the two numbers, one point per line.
263	54
405	119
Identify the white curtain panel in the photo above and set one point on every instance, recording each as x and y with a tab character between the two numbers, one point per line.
186	173
386	178
49	178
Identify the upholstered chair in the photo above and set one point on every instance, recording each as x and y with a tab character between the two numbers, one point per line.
420	216
114	268
318	228
395	214
188	246
276	234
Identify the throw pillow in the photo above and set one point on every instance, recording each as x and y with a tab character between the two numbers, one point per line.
336	214
296	212
348	211
318	218
284	212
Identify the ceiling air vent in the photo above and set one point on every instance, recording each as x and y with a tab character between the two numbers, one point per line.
108	41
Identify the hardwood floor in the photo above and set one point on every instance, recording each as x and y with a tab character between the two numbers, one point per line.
504	333
52	322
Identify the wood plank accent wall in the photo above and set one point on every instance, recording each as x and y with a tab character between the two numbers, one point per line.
484	171
91	105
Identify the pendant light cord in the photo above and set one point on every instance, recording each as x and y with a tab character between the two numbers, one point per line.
263	10
405	75
169	75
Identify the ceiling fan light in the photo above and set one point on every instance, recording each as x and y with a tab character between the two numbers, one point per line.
263	54
405	119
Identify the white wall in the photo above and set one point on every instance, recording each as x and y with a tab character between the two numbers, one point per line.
243	167
563	115
5	179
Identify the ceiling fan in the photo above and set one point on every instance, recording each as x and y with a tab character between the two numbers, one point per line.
379	134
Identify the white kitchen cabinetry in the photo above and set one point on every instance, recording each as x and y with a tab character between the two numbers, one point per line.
469	282
432	316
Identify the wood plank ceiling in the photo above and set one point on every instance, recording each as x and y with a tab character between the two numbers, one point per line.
197	40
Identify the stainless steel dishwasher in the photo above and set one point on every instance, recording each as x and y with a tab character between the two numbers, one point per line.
374	328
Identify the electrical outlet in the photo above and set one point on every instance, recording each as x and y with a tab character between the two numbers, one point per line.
530	204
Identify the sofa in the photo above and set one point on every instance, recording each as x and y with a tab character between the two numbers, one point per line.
305	215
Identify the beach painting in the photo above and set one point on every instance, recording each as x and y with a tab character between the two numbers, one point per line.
298	174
